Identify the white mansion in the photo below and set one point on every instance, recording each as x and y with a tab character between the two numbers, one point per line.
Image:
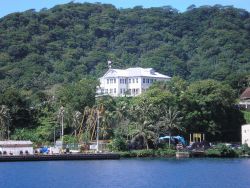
129	82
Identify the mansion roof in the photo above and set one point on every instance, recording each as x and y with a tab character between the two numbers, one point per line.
246	94
134	72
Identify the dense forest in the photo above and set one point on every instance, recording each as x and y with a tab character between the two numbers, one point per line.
52	58
72	41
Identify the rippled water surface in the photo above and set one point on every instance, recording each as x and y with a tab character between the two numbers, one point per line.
223	173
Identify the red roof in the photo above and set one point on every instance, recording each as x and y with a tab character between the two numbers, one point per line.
245	94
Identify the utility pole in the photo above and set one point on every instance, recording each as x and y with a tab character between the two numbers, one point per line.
8	133
54	136
97	131
98	110
62	117
8	130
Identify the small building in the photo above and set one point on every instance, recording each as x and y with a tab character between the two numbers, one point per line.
54	150
128	82
102	145
245	99
245	134
16	147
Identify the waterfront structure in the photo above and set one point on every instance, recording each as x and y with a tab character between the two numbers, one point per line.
245	134
100	147
245	99
14	147
76	156
128	82
196	137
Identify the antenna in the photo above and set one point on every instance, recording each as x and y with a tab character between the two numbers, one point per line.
109	64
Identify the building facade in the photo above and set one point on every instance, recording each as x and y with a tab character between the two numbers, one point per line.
129	82
245	134
13	147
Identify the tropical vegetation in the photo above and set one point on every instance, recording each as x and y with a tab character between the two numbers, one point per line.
52	58
67	43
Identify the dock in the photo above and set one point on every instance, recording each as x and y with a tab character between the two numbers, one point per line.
182	154
197	153
59	157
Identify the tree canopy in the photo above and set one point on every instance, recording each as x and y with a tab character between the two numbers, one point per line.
69	42
52	57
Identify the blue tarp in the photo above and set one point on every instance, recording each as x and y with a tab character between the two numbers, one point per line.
179	138
44	150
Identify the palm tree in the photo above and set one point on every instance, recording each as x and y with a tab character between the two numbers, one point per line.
107	123
76	121
143	113
83	124
110	116
91	124
4	121
143	131
87	126
170	120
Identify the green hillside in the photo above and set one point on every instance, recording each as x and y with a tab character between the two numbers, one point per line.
52	58
69	42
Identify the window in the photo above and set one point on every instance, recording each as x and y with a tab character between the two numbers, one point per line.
106	90
110	90
133	91
120	91
124	91
114	90
147	80
137	91
133	80
111	81
151	80
114	81
129	80
123	81
136	80
107	81
144	80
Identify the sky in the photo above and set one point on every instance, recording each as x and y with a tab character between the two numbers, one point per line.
10	6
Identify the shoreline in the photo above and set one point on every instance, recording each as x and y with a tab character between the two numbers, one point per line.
60	157
169	153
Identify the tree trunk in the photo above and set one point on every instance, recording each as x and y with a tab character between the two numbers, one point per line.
147	144
127	131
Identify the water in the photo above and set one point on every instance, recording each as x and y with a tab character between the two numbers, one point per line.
156	173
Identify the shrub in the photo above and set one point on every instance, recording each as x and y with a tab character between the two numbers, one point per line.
221	150
226	151
165	152
245	149
137	153
212	153
149	153
144	153
69	139
118	144
125	154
